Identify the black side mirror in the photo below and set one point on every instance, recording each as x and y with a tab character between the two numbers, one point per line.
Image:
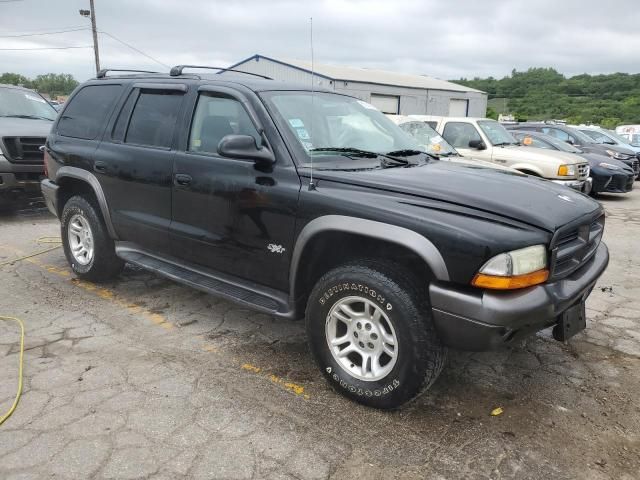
244	146
570	141
477	144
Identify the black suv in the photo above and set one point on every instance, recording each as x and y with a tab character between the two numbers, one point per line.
587	144
312	204
25	121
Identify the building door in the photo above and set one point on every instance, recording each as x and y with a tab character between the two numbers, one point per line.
386	103
458	107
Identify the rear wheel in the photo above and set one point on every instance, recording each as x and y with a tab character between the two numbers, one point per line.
371	333
87	245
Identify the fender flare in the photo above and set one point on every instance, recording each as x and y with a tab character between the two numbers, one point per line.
415	242
92	181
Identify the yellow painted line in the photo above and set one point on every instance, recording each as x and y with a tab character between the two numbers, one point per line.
289	386
157	319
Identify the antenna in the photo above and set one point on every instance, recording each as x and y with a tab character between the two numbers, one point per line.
312	185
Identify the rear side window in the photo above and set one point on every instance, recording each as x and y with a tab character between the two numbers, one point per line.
87	112
460	134
154	118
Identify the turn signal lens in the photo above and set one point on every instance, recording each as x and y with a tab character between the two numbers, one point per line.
566	170
495	282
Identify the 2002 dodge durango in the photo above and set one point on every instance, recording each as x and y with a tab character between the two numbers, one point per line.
314	205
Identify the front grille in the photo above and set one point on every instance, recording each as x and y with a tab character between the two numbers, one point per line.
24	149
583	171
574	245
636	166
620	183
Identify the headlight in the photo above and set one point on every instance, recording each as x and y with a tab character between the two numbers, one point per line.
618	155
516	269
566	170
609	166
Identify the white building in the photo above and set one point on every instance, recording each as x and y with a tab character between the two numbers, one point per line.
390	92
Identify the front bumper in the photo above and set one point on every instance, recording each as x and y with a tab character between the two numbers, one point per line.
580	185
476	320
20	184
50	193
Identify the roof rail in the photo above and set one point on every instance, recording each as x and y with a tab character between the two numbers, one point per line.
103	73
177	70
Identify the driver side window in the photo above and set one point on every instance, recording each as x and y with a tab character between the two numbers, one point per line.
559	134
460	134
215	117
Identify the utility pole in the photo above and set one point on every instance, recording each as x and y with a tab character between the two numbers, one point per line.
92	13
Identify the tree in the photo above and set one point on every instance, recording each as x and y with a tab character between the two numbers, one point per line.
544	93
53	84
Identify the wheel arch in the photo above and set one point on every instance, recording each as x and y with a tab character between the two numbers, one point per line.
357	237
76	180
528	169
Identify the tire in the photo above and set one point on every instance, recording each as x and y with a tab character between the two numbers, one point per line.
102	264
412	364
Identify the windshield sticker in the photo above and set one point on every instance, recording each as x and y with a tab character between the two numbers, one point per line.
302	134
296	123
366	105
527	141
307	145
34	98
436	147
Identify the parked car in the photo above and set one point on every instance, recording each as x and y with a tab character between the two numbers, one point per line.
488	140
607	174
433	143
631	133
583	142
313	204
609	137
25	121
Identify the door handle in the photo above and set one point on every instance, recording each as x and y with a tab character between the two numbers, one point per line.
183	179
100	166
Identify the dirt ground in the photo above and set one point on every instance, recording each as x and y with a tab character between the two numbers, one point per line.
144	378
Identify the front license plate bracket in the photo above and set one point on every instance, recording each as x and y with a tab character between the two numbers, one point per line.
570	322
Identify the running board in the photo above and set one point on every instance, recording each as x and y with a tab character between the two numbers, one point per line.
256	297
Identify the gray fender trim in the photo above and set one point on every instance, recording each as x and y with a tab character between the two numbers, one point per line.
370	228
90	178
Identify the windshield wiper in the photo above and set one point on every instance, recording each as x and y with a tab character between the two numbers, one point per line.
502	144
35	117
356	152
407	152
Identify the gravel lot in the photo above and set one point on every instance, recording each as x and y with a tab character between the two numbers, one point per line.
144	378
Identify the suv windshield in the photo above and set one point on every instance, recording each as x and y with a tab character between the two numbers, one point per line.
19	103
497	134
428	138
321	123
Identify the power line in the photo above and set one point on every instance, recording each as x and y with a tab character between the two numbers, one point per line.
134	48
44	33
46	48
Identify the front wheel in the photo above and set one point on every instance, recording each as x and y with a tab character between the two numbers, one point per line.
370	331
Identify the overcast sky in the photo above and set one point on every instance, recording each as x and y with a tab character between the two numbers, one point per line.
446	39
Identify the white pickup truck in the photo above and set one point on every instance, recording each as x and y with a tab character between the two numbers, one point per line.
487	140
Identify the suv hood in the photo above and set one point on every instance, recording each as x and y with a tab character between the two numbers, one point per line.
24	127
532	154
532	200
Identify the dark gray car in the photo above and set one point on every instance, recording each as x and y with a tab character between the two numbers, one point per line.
25	121
582	141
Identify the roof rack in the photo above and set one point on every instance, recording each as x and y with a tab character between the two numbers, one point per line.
103	73
177	70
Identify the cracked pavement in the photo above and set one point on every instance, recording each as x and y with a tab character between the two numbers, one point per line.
144	378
